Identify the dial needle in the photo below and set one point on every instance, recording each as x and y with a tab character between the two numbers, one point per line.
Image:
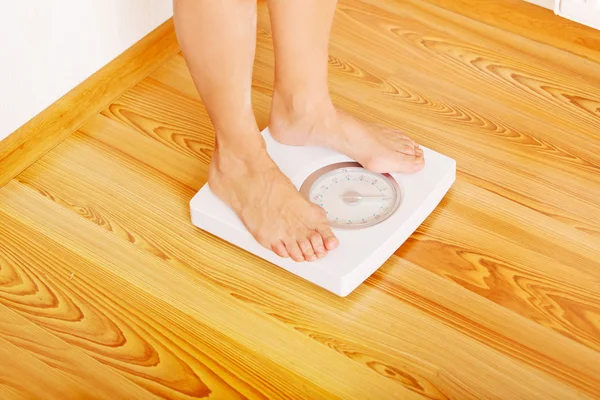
357	198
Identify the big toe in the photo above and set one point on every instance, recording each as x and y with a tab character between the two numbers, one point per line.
330	241
317	244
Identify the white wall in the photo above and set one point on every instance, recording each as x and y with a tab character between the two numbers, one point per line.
47	47
544	3
585	12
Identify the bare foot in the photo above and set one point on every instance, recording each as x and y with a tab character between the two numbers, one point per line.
280	219
377	148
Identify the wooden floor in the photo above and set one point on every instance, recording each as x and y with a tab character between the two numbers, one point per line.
108	291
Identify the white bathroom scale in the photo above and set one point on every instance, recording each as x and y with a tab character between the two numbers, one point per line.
371	214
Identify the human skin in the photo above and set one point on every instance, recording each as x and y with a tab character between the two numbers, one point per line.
218	40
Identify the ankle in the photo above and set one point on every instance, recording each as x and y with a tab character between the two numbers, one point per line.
238	137
300	105
243	150
296	119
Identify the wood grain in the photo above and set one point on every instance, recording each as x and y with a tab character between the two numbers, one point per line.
59	358
303	357
44	131
531	22
145	231
496	295
42	381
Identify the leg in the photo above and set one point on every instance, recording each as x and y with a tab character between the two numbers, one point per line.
218	39
302	111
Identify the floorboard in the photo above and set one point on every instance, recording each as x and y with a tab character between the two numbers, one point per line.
108	291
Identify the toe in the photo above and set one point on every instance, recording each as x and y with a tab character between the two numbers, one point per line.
419	156
406	148
279	249
294	250
406	138
417	164
307	249
317	243
329	239
419	160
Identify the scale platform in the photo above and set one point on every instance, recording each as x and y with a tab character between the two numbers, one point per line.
324	177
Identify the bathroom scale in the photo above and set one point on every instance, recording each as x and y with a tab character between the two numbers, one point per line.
371	214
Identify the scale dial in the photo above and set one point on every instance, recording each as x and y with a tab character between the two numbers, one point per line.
352	196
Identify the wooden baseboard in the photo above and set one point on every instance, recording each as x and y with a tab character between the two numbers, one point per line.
53	125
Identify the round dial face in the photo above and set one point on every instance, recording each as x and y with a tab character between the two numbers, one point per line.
352	196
